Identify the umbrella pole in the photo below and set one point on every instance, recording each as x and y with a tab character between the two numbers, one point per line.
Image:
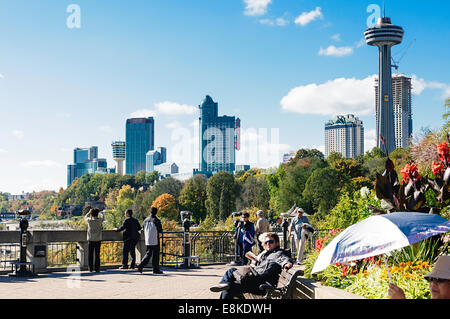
387	267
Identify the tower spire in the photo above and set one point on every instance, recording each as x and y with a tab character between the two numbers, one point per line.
384	9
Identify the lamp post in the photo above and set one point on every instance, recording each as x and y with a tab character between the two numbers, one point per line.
237	219
186	222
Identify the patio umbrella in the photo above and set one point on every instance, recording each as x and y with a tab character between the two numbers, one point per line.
378	235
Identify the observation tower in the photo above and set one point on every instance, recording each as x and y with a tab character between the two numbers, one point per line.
385	35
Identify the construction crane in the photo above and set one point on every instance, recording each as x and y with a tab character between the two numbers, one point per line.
395	63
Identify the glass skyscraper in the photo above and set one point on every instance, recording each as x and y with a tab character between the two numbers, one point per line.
218	140
139	139
86	161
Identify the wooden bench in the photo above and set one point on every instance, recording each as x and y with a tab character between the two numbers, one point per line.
285	288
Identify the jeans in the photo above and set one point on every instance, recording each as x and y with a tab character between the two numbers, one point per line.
129	247
236	289
94	255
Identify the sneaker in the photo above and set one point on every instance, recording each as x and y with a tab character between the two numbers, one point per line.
158	272
140	269
219	287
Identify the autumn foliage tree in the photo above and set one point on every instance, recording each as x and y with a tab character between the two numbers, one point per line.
167	206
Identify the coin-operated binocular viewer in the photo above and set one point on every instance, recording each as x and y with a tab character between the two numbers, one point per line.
21	269
237	223
186	222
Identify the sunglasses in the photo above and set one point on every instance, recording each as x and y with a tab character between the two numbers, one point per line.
269	242
438	280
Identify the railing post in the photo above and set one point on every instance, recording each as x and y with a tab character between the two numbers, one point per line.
37	250
83	255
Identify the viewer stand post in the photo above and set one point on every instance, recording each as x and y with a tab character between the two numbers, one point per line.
285	226
237	220
21	269
186	222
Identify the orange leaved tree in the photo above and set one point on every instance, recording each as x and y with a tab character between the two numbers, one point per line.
167	206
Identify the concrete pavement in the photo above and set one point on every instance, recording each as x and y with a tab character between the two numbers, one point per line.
116	284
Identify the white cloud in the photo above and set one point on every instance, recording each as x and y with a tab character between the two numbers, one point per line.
370	139
3	150
419	85
339	96
336	37
261	147
45	163
308	17
18	134
173	125
143	113
1	76
336	51
256	7
278	22
173	108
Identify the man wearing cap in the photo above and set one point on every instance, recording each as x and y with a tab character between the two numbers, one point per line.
439	279
300	226
262	226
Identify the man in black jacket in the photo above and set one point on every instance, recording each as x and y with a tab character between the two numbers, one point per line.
131	236
268	267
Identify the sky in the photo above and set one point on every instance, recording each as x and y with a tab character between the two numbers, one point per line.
72	72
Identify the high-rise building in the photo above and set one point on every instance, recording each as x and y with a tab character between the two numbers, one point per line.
345	135
86	161
219	139
401	96
385	35
119	155
140	138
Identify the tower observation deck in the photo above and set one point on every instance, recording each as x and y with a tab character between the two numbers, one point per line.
385	35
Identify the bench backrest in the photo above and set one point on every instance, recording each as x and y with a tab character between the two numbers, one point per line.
288	279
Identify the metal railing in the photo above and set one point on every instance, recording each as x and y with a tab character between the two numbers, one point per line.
61	254
212	246
111	252
8	253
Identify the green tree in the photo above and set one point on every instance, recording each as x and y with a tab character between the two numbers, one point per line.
323	189
221	192
255	193
193	197
293	184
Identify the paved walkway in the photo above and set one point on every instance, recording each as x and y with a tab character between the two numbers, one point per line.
116	284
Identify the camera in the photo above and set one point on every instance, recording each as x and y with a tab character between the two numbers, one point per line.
236	214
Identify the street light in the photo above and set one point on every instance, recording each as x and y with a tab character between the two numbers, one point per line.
237	219
285	226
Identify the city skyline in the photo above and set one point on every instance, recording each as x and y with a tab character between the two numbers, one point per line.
283	67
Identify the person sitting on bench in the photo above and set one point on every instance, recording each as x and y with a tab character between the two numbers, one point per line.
266	269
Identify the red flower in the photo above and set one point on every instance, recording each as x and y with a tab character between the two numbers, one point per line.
444	152
438	168
410	172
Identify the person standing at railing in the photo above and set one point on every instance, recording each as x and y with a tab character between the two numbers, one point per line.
247	230
262	226
131	236
94	219
302	229
152	229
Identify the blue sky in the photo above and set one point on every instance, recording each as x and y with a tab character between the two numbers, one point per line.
283	67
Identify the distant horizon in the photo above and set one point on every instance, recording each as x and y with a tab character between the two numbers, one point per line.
284	68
